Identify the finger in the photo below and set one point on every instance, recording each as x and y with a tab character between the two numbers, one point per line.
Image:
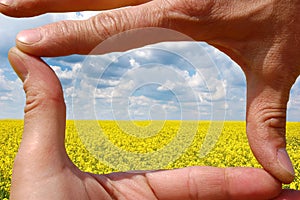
27	8
289	195
81	37
45	113
195	183
266	120
214	183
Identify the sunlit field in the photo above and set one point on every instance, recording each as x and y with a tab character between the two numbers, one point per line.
144	137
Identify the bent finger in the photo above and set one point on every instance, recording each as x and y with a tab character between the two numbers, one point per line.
45	111
266	124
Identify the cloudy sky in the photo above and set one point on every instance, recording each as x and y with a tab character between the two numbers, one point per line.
171	80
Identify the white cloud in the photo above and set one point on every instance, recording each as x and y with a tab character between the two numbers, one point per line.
63	74
196	80
134	63
139	90
142	107
168	85
143	53
150	82
294	102
139	101
11	97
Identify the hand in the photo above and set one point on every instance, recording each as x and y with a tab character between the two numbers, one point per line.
261	36
43	170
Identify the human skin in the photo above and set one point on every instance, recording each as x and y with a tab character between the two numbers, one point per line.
261	36
43	170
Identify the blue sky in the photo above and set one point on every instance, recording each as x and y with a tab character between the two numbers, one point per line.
171	80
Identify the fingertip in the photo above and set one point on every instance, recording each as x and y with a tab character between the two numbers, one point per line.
268	144
286	165
269	149
31	42
11	50
266	126
56	39
16	61
29	37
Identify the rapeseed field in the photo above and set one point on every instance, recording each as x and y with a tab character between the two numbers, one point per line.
128	142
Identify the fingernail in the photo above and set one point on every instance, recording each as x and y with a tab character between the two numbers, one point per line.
284	161
6	2
17	63
29	36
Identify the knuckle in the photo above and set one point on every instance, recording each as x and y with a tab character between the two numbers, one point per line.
107	24
182	14
37	99
62	34
273	116
192	8
64	29
226	181
192	184
271	121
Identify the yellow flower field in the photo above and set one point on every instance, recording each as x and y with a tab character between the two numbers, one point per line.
140	145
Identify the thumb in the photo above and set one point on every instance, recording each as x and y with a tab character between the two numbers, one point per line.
45	112
266	120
